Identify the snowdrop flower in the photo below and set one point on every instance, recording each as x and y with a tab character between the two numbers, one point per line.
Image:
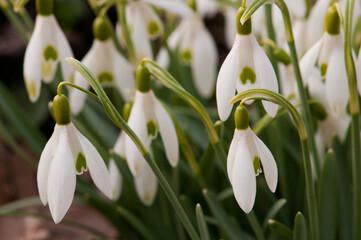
315	22
146	185
106	63
196	47
245	67
67	154
246	154
328	55
47	47
147	117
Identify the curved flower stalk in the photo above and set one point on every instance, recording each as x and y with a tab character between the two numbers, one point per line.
67	154
47	47
144	24
147	117
196	47
328	54
246	67
246	154
111	68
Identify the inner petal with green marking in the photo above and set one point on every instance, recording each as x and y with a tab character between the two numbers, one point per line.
80	164
47	70
152	128
153	28
247	74
257	165
50	53
186	55
323	69
30	88
105	77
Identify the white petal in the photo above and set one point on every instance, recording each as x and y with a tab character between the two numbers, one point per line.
315	21
226	81
267	77
308	61
233	150
204	62
119	146
162	58
268	163
207	8
64	52
137	121
176	7
75	146
168	134
44	166
337	92
176	36
115	179
149	16
243	177
230	25
32	63
146	185
61	182
97	168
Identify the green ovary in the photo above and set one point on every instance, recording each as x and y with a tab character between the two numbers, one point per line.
247	74
50	53
153	28
151	128
105	77
257	165
80	164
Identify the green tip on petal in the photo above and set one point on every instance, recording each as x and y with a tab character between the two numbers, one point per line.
282	56
323	69
241	118
247	74
332	21
44	7
50	53
61	109
101	29
246	28
153	28
318	110
143	79
31	88
126	110
257	165
186	55
152	129
105	77
80	164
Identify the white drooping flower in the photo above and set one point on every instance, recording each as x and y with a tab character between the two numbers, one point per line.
328	55
196	47
47	47
116	178
245	156
145	24
246	67
67	154
107	65
147	117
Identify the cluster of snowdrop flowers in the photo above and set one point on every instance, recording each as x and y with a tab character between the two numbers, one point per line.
47	47
67	154
147	118
106	63
246	67
247	156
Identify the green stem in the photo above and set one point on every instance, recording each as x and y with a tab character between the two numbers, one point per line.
119	121
310	188
25	17
355	125
132	56
77	87
14	19
255	225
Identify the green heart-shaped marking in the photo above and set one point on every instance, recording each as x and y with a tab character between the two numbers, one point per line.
153	28
105	77
257	165
247	74
151	128
50	53
80	164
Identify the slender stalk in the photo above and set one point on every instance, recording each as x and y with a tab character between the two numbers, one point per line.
255	225
25	17
310	188
119	121
355	125
77	87
14	19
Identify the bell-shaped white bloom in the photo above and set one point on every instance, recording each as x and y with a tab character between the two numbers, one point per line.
246	67
315	22
47	47
328	55
246	154
146	185
147	117
67	154
196	47
109	67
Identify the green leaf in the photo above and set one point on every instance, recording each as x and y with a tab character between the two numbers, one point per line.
280	230
230	228
300	228
273	212
202	225
327	198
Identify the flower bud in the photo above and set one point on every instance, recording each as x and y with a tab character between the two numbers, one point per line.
61	109
246	28
332	21
241	118
143	79
44	7
101	29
